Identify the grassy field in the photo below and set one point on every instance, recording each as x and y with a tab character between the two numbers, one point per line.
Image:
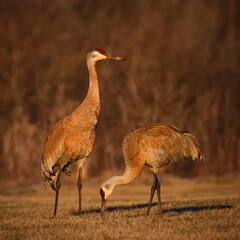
192	209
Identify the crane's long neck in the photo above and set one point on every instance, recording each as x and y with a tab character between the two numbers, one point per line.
93	90
126	178
131	172
91	104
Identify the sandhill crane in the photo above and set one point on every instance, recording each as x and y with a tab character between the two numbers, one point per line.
72	138
154	146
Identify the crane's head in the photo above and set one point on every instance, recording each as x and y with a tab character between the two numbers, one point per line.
106	191
99	54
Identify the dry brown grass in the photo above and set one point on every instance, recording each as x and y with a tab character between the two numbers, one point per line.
192	209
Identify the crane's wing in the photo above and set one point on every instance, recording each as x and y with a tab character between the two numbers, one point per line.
183	144
173	143
54	153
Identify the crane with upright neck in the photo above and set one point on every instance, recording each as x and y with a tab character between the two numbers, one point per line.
71	139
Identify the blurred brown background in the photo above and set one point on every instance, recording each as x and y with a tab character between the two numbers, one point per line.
183	69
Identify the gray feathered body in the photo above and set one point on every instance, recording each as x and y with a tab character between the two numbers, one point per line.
157	145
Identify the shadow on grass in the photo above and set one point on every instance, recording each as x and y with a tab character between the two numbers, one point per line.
176	210
197	209
112	209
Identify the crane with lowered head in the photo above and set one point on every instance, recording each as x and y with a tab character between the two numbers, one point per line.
154	146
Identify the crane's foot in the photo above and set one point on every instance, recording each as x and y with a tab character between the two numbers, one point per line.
148	211
52	217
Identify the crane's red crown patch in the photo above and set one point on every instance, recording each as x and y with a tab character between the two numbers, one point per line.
102	193
100	51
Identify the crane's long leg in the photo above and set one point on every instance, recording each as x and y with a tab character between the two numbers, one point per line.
80	189
152	192
158	186
58	185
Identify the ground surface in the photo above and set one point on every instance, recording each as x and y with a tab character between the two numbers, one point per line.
192	209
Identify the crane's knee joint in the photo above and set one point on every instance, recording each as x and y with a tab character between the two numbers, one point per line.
58	184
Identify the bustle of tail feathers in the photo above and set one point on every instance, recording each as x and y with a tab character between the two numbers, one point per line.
47	176
200	155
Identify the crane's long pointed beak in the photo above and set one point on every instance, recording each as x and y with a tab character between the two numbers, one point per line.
103	206
109	55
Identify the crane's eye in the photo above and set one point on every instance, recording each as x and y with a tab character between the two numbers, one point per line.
94	55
